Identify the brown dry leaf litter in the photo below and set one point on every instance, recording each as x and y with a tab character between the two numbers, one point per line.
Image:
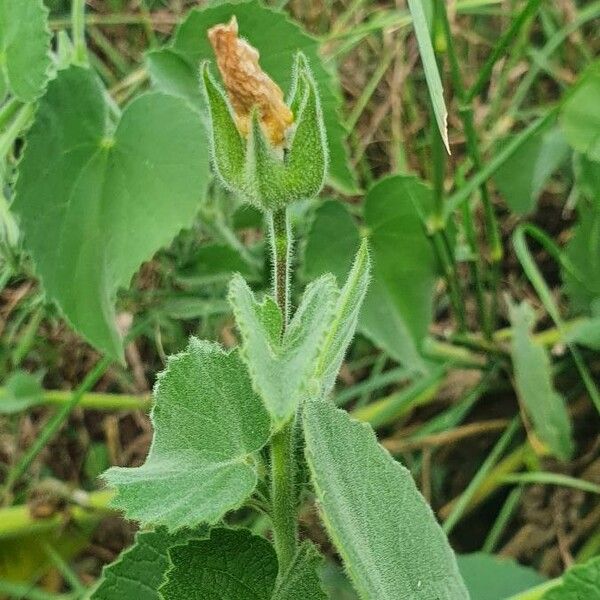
248	85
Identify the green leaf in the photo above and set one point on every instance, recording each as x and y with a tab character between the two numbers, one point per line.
432	75
490	577
341	330
278	39
533	381
522	178
583	251
386	533
399	306
21	391
207	424
282	367
233	564
579	583
96	200
580	115
140	570
24	48
332	242
301	580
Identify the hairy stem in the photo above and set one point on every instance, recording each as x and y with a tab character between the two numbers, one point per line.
283	486
78	32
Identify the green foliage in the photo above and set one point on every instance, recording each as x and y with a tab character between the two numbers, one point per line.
399	306
432	75
239	566
24	48
21	391
208	423
95	199
174	68
580	116
521	179
140	570
253	170
490	577
281	366
533	381
579	583
386	533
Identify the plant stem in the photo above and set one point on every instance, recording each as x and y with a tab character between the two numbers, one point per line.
283	485
78	32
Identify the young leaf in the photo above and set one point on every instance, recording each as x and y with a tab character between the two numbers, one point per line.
95	202
24	48
432	75
278	39
282	367
580	582
341	331
399	306
533	380
21	391
386	533
140	570
207	424
239	566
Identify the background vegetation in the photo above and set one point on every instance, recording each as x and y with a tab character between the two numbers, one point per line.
477	359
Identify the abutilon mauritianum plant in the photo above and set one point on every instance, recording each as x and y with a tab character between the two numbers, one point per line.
236	429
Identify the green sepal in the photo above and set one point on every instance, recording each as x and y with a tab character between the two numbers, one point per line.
268	177
227	146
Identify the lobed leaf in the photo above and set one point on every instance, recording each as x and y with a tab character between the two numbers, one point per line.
236	565
95	200
384	530
208	422
533	381
24	48
282	367
141	569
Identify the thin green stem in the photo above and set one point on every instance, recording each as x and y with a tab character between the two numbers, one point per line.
13	131
8	111
283	467
500	48
78	32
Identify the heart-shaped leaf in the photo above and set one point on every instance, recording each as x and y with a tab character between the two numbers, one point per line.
24	48
95	199
207	424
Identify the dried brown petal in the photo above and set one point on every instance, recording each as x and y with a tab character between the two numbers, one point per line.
247	85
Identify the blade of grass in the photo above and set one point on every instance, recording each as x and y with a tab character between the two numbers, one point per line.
502	520
547	478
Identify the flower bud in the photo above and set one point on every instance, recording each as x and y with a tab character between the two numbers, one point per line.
259	151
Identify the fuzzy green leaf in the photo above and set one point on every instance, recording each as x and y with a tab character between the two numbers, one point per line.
384	530
233	564
24	48
95	201
580	582
207	424
141	569
278	40
341	331
533	380
282	367
399	306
